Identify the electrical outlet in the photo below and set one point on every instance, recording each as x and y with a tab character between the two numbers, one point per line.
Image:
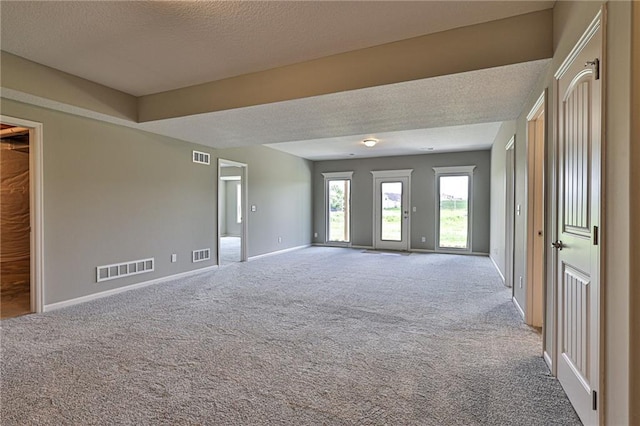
174	258
315	235
415	210
520	282
254	208
279	239
424	239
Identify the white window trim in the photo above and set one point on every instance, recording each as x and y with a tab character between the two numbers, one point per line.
454	171
329	176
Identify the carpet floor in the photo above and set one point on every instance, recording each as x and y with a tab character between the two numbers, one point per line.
319	336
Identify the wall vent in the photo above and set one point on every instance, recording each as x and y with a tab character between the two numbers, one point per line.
124	269
201	157
200	255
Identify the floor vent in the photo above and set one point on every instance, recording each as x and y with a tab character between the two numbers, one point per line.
125	269
200	255
201	157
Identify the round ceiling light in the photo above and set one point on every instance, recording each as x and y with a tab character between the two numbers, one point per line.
369	143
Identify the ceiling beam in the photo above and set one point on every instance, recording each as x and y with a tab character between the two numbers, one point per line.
507	41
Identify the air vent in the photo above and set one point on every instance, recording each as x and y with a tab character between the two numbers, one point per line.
201	157
125	269
200	255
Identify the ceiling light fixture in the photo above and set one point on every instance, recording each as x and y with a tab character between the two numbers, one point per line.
369	143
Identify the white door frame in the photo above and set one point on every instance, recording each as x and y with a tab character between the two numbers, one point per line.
244	226
36	209
380	176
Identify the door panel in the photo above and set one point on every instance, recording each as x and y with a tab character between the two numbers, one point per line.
391	215
578	215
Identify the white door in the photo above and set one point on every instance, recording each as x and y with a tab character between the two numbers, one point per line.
391	213
577	245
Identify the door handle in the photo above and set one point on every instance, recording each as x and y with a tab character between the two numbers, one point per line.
557	245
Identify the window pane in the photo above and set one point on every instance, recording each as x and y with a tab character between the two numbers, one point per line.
338	210
454	211
391	229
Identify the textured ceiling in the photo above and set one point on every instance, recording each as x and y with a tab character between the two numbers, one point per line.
144	47
484	96
469	137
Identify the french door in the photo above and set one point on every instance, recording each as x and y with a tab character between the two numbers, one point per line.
391	216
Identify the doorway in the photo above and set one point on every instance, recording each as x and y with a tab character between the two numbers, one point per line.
15	244
536	247
232	206
391	218
338	208
21	217
454	202
510	213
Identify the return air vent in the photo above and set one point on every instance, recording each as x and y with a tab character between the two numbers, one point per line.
125	269
201	157
200	255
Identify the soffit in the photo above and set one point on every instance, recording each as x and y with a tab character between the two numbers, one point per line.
331	126
148	47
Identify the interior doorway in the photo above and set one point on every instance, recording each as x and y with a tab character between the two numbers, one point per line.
15	218
536	247
232	206
21	248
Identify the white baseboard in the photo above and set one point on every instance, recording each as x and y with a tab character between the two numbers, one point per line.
273	253
515	302
504	281
94	296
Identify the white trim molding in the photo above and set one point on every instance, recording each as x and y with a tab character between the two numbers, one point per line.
273	253
391	173
106	293
591	30
453	170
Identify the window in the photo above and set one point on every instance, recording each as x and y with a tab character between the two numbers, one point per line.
453	211
338	207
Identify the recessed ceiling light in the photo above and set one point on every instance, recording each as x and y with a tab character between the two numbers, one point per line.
370	143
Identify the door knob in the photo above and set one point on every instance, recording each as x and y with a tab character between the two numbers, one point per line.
557	245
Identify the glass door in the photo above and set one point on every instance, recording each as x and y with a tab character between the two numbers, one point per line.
391	215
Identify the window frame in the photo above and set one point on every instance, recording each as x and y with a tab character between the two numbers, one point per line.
451	172
328	177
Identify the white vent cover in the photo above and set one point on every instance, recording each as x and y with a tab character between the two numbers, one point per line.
200	255
125	269
201	157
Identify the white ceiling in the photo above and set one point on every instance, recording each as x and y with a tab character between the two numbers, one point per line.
144	47
148	47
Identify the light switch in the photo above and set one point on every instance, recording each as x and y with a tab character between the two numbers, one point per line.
253	208
414	210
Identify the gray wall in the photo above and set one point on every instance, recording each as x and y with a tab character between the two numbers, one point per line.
279	185
114	194
423	221
498	194
232	227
